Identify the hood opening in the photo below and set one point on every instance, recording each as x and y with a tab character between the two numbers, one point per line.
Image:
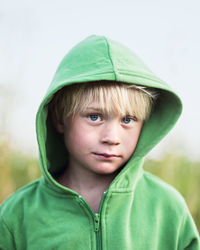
164	115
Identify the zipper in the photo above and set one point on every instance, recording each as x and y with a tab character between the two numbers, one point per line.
97	231
97	219
98	223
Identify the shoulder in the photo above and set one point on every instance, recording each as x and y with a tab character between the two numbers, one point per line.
13	204
159	186
163	203
162	194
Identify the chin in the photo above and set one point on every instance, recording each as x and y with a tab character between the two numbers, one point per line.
107	171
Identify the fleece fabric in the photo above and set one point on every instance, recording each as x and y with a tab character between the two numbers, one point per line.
138	211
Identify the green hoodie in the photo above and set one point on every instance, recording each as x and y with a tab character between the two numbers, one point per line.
138	211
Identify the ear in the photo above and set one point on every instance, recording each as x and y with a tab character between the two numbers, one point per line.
59	125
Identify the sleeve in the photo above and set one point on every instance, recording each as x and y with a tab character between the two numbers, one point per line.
6	237
189	236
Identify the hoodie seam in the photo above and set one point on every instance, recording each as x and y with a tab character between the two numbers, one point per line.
121	190
56	193
110	57
89	216
7	227
86	75
106	215
183	219
3	221
181	233
143	76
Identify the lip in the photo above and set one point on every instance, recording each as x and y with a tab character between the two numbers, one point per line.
106	156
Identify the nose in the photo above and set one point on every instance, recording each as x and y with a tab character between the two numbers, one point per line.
110	134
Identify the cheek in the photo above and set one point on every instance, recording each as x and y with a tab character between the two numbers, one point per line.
73	141
79	139
130	145
130	141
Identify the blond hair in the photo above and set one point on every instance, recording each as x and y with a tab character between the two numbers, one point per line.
112	97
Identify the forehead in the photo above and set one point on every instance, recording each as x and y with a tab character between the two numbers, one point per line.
106	107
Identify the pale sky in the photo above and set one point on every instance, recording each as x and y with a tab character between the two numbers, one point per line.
35	36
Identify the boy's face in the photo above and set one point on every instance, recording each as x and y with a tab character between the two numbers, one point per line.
100	143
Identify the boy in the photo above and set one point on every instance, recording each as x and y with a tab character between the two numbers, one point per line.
103	112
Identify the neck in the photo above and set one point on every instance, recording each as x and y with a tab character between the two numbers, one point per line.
89	185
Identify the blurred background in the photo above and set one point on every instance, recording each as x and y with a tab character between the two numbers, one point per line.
35	36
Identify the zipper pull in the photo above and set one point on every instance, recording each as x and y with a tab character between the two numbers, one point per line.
96	222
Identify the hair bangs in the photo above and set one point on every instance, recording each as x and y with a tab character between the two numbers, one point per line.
111	97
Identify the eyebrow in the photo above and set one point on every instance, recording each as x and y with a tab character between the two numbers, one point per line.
100	110
94	109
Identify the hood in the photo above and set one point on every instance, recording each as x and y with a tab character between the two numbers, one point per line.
99	58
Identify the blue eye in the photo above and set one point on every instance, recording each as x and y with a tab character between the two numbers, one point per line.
93	117
126	120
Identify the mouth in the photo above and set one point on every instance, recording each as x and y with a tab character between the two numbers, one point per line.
106	156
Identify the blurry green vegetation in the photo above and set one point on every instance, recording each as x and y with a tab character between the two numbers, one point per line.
18	169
